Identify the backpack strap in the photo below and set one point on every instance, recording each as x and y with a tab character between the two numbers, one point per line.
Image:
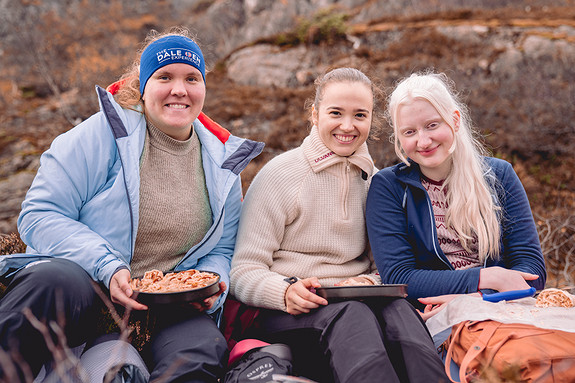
448	359
474	351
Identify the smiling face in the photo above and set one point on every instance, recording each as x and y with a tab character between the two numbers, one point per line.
344	115
173	99
425	137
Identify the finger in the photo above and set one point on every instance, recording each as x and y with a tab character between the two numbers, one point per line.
309	283
529	276
297	300
127	290
294	311
296	308
209	302
134	305
222	289
430	300
308	296
298	303
119	296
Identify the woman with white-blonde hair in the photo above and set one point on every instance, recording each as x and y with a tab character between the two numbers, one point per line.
302	227
448	219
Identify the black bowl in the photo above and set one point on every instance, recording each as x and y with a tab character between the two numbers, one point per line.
184	296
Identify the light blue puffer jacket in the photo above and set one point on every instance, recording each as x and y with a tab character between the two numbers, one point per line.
83	204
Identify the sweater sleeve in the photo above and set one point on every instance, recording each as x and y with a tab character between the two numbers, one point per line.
394	242
268	207
521	246
402	258
72	172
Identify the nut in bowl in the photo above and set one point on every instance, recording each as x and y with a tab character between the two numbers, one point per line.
155	287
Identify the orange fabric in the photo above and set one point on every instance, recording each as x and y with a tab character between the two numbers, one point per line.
537	355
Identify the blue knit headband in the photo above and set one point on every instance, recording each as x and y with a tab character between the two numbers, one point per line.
170	50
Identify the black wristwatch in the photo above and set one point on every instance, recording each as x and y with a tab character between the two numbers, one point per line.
291	280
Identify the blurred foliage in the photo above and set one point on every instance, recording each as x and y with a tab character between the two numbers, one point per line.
11	244
71	47
139	325
326	26
523	108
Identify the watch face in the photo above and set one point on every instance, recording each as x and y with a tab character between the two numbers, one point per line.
291	280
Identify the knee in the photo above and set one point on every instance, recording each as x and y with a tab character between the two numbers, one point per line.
54	279
214	342
401	306
198	346
57	274
355	308
190	336
353	312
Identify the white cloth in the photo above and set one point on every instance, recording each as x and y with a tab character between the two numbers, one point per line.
97	360
523	311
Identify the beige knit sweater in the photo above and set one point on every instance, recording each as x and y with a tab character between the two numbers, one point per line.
175	212
303	216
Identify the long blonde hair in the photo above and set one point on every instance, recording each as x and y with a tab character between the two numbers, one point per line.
472	211
128	94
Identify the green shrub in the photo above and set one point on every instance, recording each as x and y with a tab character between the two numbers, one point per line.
326	25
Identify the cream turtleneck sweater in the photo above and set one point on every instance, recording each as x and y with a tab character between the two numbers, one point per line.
303	216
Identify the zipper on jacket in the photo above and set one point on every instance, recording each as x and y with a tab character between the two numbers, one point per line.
119	131
434	232
200	244
346	187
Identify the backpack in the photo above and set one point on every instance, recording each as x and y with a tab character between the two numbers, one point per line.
493	350
260	364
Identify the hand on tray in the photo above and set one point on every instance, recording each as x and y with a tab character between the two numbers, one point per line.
299	299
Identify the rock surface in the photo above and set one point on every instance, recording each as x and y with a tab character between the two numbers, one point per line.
512	62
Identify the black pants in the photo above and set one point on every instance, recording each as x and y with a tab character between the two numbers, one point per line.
185	346
359	342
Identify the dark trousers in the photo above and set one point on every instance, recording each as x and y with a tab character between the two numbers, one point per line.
183	348
377	342
186	346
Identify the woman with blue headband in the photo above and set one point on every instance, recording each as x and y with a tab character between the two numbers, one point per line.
149	182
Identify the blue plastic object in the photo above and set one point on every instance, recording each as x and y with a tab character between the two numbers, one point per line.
509	295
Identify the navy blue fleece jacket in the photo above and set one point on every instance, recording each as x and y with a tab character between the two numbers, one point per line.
403	237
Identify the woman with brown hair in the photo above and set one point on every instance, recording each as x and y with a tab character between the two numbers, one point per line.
149	182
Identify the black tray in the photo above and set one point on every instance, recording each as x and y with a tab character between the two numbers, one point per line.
179	296
362	292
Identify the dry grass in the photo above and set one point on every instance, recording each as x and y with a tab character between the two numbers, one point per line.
11	244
